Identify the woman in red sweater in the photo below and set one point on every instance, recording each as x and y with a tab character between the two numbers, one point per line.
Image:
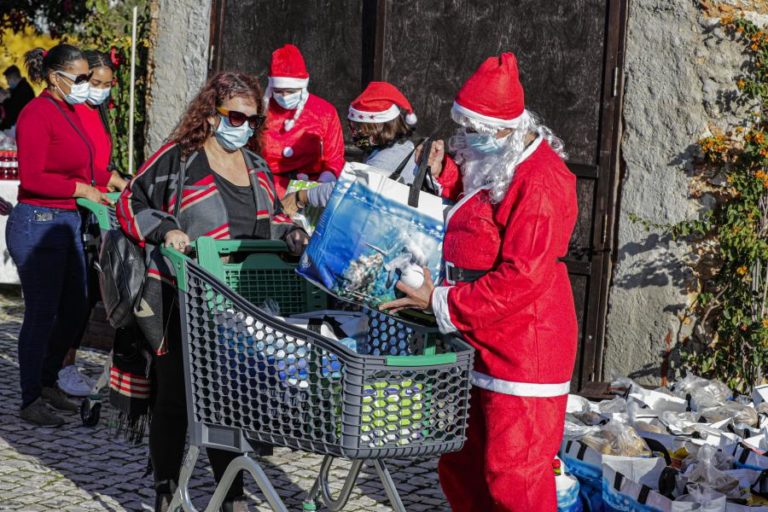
94	116
56	166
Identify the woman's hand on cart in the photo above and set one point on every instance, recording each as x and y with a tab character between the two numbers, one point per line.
415	298
116	182
297	240
177	239
92	194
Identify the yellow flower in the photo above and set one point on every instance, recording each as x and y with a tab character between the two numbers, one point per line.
765	323
740	84
742	270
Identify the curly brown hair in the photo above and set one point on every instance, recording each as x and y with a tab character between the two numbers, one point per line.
193	129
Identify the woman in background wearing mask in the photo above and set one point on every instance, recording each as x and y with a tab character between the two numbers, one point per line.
94	117
303	139
228	193
56	165
381	120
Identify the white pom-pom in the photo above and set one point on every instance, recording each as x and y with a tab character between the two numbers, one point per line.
289	123
411	119
413	276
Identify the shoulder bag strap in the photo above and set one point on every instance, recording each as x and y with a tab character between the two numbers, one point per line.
182	177
413	196
77	130
395	175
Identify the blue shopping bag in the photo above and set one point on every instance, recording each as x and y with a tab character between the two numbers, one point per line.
373	233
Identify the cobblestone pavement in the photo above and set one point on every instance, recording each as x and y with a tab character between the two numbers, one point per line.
78	468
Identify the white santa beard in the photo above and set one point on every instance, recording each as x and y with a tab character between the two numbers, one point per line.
493	171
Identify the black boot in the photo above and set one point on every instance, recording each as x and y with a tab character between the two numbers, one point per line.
163	495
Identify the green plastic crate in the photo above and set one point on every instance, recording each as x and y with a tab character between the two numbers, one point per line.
262	274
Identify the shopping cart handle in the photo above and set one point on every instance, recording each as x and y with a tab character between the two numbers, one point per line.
99	210
93	205
177	262
206	244
425	360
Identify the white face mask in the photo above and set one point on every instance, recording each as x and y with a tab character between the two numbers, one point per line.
289	101
98	96
231	137
78	93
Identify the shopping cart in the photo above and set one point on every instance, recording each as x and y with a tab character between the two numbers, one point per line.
251	377
99	219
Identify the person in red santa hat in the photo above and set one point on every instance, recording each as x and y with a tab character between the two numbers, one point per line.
505	291
382	121
303	138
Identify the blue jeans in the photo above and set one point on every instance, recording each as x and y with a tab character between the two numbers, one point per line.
46	246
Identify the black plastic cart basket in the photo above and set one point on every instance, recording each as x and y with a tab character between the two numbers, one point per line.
253	377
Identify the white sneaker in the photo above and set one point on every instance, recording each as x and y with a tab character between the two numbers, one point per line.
74	383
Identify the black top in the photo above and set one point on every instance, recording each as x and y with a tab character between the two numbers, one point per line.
240	202
20	96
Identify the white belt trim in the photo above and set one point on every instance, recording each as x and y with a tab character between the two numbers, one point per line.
525	389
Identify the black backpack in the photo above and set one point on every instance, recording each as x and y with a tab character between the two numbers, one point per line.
122	268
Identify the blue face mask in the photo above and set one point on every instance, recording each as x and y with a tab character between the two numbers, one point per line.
231	137
289	101
483	143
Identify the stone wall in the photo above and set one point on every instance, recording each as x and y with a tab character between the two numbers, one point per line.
180	56
679	77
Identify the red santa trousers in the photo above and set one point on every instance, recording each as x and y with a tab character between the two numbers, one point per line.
506	463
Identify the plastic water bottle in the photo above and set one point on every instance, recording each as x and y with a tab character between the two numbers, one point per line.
567	489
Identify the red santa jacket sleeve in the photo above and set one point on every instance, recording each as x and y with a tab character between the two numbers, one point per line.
333	146
528	263
450	180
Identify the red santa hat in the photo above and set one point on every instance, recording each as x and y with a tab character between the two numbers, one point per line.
287	69
493	95
380	102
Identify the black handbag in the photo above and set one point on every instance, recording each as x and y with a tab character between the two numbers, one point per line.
122	268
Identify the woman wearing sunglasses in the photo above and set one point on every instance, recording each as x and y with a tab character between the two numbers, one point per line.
94	116
56	166
227	193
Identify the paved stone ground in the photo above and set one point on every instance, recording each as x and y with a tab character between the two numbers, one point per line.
77	468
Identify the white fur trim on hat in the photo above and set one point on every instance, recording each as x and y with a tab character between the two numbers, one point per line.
287	82
492	121
361	116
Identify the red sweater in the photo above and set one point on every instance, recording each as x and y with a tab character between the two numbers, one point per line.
52	155
94	129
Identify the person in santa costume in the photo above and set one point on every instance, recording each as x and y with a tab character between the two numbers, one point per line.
303	138
382	121
506	291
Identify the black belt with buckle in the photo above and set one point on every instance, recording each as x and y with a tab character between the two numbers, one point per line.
462	275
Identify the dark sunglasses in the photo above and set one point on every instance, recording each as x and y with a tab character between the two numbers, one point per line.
76	79
238	118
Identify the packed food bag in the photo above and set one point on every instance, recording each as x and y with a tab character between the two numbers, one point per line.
373	233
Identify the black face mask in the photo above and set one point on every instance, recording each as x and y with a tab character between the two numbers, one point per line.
362	142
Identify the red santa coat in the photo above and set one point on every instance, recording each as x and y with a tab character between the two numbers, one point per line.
313	146
520	315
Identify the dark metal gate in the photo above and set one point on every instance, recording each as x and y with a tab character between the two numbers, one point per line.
570	55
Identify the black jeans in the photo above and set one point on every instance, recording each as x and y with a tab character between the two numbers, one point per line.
46	246
168	429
